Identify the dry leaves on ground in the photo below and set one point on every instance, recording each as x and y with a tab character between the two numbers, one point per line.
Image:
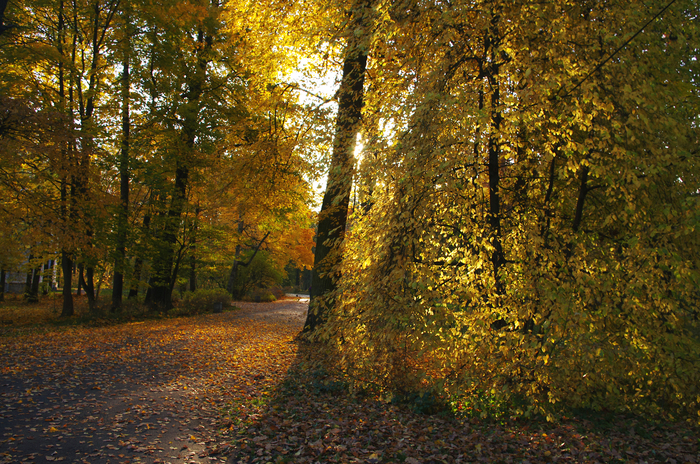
237	387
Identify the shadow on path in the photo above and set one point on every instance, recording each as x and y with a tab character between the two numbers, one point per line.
150	391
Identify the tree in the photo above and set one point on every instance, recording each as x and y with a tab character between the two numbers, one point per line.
334	210
124	171
519	240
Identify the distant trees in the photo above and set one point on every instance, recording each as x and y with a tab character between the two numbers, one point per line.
131	133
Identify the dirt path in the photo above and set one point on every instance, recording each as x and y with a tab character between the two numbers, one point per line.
218	388
150	392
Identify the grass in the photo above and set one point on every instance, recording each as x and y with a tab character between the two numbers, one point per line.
17	314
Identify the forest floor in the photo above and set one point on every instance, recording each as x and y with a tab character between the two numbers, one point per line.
236	387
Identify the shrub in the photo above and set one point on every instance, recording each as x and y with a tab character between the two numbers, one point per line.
278	292
260	273
201	301
261	295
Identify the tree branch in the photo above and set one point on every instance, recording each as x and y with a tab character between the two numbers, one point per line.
257	248
602	63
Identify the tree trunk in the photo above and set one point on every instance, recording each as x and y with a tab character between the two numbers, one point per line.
233	276
66	261
582	192
89	285
334	210
136	279
80	280
3	6
28	286
235	291
86	101
159	294
47	269
34	291
67	268
123	213
2	284
494	165
159	297
138	264
494	168
193	274
193	250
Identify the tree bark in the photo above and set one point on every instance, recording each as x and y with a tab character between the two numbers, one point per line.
582	192
494	167
79	270
28	286
3	26
89	285
334	210
66	212
193	251
233	275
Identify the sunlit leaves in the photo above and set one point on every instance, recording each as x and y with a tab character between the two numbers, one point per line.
597	295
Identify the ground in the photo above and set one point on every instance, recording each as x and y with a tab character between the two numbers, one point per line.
235	387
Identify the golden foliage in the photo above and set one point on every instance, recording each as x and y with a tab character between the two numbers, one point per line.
593	203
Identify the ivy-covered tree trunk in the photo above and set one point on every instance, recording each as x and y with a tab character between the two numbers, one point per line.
334	210
492	43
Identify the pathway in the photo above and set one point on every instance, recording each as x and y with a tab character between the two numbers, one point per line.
150	391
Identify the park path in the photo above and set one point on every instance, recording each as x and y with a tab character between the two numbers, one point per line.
151	391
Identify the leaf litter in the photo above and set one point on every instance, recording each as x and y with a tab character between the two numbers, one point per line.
237	387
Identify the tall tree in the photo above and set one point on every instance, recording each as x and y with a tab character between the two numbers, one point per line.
517	231
334	210
163	277
124	174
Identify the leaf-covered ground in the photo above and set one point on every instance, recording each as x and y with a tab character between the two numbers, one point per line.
235	387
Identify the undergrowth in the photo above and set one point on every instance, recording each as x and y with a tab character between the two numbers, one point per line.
17	316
